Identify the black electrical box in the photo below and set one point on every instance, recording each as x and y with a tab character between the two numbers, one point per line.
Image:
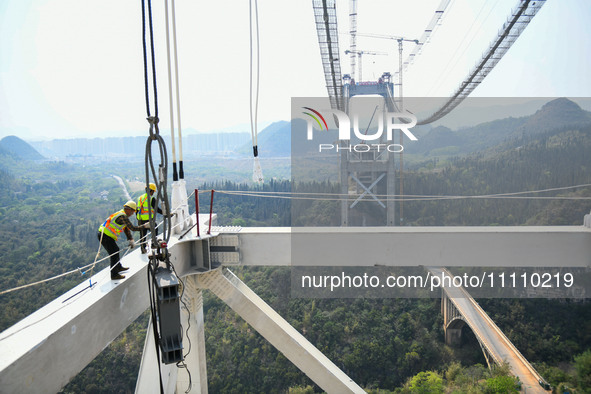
169	316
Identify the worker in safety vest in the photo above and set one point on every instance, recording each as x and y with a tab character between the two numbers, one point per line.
146	207
109	231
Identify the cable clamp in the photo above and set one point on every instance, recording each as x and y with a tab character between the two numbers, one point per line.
153	120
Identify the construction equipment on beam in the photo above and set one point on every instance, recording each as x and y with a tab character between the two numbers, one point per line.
359	55
400	41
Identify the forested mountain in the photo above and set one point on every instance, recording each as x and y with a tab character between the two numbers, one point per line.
273	141
19	149
51	212
556	114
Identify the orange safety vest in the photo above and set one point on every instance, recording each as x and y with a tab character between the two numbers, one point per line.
110	227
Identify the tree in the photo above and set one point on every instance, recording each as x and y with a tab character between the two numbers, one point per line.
429	382
501	384
583	368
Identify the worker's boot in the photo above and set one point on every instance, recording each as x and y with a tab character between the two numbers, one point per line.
117	276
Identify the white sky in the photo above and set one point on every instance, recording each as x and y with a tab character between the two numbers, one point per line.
71	68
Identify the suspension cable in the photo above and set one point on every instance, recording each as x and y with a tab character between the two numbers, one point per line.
524	12
178	98
257	173
175	78
146	79
170	101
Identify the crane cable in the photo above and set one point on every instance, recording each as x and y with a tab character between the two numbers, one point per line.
440	79
257	172
159	250
154	135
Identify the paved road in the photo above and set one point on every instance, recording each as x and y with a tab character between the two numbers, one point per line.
489	333
120	181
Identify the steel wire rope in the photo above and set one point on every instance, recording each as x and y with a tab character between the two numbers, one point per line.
178	98
432	26
282	195
416	197
78	269
457	59
71	299
180	173
159	179
434	198
468	84
257	173
170	101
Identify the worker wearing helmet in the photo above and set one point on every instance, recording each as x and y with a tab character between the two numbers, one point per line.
109	231
146	208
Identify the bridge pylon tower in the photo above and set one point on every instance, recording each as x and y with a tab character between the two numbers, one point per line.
370	171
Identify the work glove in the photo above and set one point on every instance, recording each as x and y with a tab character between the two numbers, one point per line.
131	243
145	225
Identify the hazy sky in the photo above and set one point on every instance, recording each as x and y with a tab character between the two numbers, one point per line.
71	68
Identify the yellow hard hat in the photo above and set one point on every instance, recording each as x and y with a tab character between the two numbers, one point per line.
153	186
130	204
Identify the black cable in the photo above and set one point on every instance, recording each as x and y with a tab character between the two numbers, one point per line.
154	317
146	85
330	54
182	364
160	180
154	135
153	58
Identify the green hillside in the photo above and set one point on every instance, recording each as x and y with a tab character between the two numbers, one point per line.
444	143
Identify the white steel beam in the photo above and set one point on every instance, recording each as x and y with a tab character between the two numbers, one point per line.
178	380
45	350
277	331
194	377
42	352
491	246
148	378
